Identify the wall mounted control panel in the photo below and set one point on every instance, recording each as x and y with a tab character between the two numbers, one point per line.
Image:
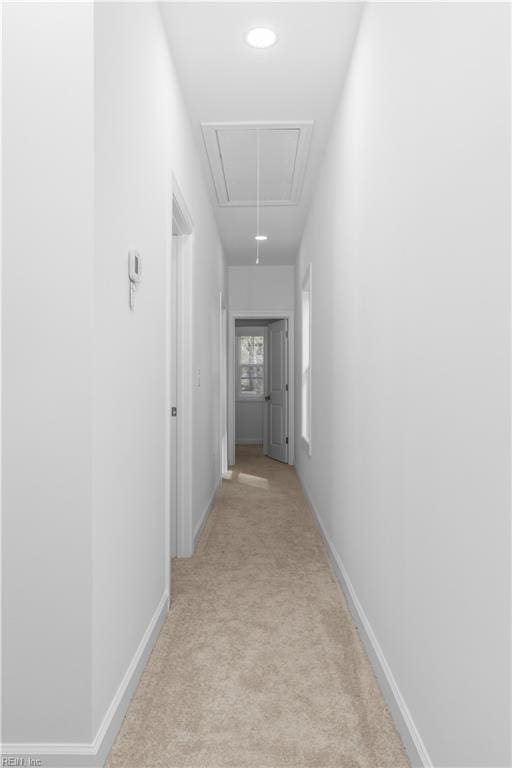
134	274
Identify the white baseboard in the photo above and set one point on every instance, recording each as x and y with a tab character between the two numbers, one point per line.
94	754
206	512
248	441
412	741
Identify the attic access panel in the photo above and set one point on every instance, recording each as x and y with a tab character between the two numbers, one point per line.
232	154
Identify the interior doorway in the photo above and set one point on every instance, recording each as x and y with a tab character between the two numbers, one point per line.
261	384
223	398
178	374
173	392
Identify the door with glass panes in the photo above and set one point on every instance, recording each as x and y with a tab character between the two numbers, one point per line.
262	388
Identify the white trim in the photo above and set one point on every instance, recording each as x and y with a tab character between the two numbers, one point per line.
266	446
249	441
411	739
223	394
1	357
183	224
510	414
167	404
206	513
307	287
185	539
261	314
94	754
181	214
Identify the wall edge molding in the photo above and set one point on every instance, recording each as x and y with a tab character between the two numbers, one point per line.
206	513
94	754
405	725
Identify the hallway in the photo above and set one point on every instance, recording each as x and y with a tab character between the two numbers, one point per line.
238	224
259	663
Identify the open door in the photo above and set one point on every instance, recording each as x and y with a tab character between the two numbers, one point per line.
277	396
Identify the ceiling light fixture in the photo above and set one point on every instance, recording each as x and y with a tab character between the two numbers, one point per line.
261	37
260	237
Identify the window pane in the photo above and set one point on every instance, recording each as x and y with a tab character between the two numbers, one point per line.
251	349
251	371
252	386
251	379
251	365
258	387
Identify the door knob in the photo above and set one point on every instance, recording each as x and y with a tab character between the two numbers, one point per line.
267	397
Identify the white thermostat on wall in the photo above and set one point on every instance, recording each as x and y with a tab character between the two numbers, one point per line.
134	274
134	266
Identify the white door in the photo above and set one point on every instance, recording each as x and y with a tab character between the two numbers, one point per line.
173	391
223	388
277	396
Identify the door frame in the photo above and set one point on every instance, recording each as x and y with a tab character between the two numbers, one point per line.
223	381
260	314
285	362
180	222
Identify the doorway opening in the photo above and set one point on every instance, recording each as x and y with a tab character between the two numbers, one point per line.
261	384
223	398
179	541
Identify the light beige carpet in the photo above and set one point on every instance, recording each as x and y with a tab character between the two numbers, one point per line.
259	663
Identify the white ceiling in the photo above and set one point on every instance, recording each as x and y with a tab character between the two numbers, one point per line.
297	81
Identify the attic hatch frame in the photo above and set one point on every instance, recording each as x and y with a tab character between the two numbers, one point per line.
211	133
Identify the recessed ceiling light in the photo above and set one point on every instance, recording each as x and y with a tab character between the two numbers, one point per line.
260	237
261	37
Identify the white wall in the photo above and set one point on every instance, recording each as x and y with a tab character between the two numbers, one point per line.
47	315
261	288
142	136
410	473
94	128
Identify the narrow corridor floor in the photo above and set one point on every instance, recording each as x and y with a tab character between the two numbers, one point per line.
259	664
